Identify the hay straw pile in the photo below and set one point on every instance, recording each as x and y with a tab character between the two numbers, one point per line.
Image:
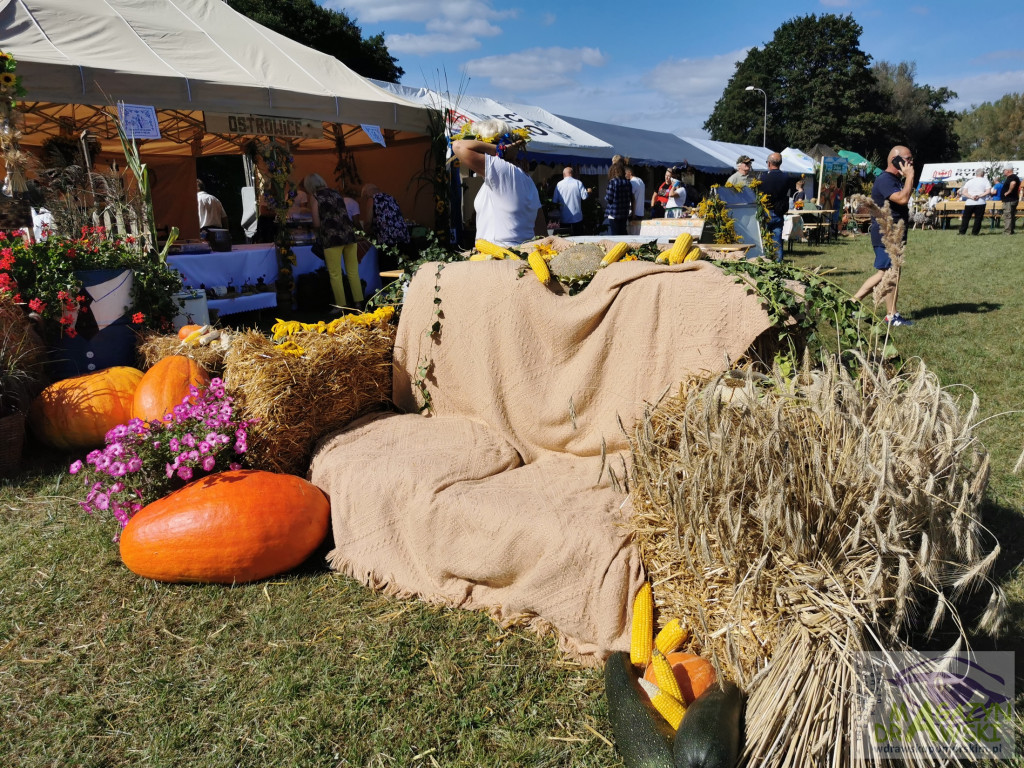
792	524
154	347
298	398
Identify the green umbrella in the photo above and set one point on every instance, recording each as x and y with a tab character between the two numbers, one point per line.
859	161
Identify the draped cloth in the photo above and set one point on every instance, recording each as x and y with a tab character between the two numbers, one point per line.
503	497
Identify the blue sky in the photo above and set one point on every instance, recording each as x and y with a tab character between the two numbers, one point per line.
662	66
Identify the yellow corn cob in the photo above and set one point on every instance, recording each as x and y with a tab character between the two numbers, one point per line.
494	251
479	257
679	249
670	708
643	627
539	266
693	255
616	253
193	338
671	637
665	676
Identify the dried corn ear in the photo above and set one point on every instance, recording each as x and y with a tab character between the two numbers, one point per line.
665	676
539	267
693	255
642	631
671	637
494	251
668	707
616	253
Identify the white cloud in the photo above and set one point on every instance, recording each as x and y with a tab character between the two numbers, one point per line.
547	19
676	96
424	45
975	90
466	28
372	11
536	69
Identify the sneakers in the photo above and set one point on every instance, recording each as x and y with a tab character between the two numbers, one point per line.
897	319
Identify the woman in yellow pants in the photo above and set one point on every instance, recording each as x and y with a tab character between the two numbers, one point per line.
331	219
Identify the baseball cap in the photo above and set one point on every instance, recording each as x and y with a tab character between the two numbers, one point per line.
745	159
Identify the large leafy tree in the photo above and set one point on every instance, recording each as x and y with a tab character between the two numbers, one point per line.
327	31
922	122
994	130
820	90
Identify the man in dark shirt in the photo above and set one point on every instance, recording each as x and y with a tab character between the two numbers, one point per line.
1011	196
775	185
895	184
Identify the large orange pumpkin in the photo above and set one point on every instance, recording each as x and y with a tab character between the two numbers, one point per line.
77	413
227	528
165	385
693	673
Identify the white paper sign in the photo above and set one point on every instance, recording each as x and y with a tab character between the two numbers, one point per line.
139	121
373	131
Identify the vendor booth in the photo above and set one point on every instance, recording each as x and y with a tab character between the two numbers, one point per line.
216	80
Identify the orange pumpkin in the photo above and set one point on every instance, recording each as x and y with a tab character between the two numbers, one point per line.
227	528
693	673
77	413
186	330
165	385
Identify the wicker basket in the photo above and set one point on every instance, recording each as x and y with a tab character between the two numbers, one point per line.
12	438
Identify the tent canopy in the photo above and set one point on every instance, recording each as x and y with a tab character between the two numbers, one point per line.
184	57
548	132
644	147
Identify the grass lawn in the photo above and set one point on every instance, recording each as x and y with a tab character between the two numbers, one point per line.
101	668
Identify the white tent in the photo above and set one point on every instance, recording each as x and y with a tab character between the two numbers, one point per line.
960	171
793	161
548	132
185	55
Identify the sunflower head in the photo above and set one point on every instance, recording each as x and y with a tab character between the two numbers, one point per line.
8	78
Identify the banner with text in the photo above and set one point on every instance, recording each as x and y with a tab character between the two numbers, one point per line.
264	125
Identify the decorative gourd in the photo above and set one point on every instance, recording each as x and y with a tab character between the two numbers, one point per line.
227	528
186	330
693	673
165	385
709	736
75	414
642	736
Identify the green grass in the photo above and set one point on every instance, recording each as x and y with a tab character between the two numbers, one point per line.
101	668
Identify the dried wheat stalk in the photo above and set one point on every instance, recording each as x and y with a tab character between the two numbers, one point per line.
793	523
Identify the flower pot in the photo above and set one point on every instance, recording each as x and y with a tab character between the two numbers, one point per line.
104	336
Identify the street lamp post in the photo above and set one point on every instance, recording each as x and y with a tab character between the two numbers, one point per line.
764	135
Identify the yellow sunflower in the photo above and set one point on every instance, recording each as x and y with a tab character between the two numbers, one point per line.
8	78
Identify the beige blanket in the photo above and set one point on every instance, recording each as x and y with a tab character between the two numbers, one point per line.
502	499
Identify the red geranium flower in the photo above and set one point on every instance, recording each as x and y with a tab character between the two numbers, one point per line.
138	318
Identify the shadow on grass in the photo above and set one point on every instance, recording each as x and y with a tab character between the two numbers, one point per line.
959	308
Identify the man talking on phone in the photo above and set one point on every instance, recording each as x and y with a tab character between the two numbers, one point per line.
895	184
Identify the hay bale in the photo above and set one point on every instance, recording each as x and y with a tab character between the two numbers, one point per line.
794	523
296	400
154	347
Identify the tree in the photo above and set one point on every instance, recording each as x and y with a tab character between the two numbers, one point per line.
994	130
819	86
923	123
324	30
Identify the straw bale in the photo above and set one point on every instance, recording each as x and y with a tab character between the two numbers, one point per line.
296	400
154	347
792	523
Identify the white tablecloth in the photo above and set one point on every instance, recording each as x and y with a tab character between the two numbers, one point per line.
246	264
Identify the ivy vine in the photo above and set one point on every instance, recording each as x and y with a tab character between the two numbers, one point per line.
800	313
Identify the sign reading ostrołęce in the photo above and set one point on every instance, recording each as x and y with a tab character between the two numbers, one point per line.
264	125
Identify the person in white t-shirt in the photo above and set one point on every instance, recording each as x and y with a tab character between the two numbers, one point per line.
976	194
639	200
508	203
211	212
676	196
570	194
